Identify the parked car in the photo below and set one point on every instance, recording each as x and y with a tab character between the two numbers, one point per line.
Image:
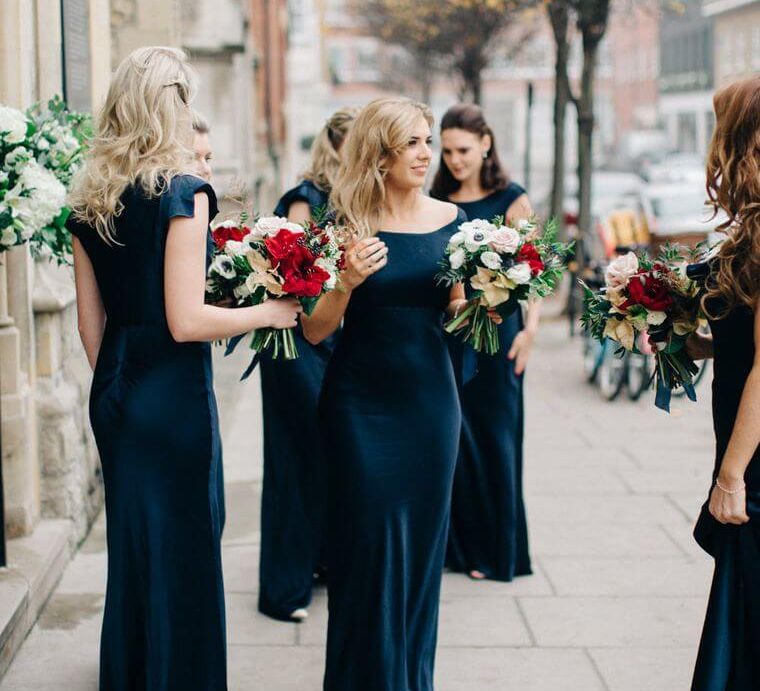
675	168
676	212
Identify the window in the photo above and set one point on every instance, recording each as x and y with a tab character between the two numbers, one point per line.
687	132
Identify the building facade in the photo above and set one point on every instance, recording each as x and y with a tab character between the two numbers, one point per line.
737	39
686	77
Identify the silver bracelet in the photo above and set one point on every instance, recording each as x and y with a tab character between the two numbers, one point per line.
728	491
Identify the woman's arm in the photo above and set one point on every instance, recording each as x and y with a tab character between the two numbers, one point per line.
189	319
91	315
299	212
728	499
519	210
362	259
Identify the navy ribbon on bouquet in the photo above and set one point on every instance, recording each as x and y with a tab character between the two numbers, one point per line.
664	394
231	345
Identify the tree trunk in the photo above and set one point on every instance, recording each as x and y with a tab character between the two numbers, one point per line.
559	17
585	148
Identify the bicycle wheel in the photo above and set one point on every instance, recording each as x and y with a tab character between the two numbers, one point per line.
611	374
592	351
637	375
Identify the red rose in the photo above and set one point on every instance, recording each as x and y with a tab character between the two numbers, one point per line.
282	244
528	253
222	234
302	277
649	292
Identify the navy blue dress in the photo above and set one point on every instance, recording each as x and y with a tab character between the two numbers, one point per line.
154	417
728	653
390	414
488	526
293	491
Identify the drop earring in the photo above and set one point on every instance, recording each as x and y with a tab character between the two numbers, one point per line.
485	155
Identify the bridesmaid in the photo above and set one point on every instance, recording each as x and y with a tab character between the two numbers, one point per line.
293	501
140	251
489	535
729	524
389	409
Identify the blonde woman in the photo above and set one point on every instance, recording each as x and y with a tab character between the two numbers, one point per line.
140	251
389	409
293	491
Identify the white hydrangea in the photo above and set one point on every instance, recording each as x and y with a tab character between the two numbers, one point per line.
36	198
13	125
16	159
8	237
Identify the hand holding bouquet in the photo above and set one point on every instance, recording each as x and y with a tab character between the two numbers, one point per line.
500	265
641	295
270	260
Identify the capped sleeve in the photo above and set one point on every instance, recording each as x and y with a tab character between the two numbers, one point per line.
511	194
179	199
307	192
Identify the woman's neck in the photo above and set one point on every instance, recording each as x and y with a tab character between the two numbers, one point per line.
400	204
470	190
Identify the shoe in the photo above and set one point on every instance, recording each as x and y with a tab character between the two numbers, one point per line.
299	614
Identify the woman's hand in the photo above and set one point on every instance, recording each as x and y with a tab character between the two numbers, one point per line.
520	350
699	346
729	506
282	313
363	258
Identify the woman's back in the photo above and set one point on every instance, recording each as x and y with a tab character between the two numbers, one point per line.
130	274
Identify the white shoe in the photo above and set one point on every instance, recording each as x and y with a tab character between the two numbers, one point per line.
299	614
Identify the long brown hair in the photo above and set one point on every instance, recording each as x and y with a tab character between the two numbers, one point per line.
469	117
733	186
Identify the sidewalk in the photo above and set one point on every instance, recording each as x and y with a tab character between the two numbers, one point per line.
619	590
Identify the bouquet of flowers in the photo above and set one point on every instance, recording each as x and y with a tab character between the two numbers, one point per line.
39	153
271	259
653	296
500	266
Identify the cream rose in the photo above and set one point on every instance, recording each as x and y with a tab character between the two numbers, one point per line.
520	273
620	270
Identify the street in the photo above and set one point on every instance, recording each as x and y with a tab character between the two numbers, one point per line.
619	591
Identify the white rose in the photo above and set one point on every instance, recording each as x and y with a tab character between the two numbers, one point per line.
8	237
223	265
620	270
456	258
293	227
656	318
456	239
505	240
269	225
328	266
524	223
43	144
13	125
490	260
519	273
233	247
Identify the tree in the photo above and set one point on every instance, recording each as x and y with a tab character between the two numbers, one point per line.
591	18
449	34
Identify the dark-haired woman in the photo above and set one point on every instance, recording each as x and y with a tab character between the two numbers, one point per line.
488	536
728	526
293	492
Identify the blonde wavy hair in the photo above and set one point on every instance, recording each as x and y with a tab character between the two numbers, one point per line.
144	136
733	186
380	133
325	160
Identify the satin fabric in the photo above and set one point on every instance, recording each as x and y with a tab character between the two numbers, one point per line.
390	415
488	523
728	652
154	417
293	491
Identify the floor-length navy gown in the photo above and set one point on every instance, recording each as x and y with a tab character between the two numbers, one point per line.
293	491
391	419
488	525
728	657
154	417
